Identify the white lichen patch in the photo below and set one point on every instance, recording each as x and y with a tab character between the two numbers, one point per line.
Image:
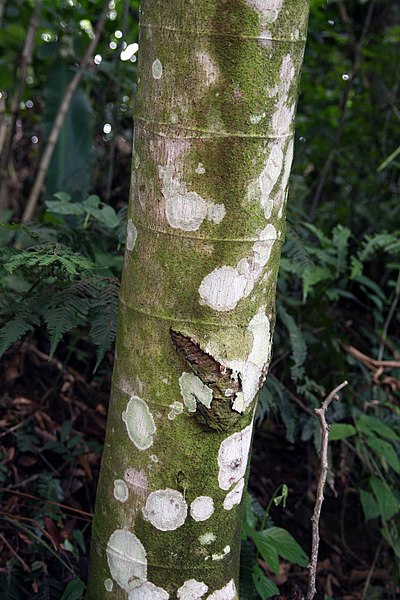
126	558
176	409
109	584
121	491
193	390
216	212
139	423
233	455
250	368
267	9
148	591
137	481
255	119
234	497
222	289
165	509
209	68
207	538
131	235
157	69
192	590
226	593
186	211
221	555
202	508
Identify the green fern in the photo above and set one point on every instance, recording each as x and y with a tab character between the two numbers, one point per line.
49	255
103	318
386	242
67	308
297	341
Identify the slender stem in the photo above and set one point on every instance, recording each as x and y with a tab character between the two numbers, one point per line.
389	318
321	414
344	107
26	59
14	552
59	121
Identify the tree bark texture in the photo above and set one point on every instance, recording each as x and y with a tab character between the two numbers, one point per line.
213	146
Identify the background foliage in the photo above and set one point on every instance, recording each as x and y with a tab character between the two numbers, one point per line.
337	309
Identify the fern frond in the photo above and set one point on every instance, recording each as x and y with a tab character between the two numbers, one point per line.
67	308
297	342
103	318
386	242
48	255
17	319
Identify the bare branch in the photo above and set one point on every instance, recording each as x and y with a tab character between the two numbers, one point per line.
59	121
321	414
26	59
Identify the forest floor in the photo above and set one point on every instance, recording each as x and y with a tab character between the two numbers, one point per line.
52	425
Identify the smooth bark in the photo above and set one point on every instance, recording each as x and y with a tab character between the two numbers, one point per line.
218	85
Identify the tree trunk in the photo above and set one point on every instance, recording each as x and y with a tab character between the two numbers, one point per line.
213	149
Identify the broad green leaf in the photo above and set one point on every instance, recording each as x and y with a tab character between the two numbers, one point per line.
385	449
264	586
369	505
387	501
369	424
267	549
74	590
64	208
109	216
70	166
286	545
340	431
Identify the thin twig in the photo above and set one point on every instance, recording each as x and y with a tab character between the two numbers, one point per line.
2	7
321	414
15	553
371	571
45	501
26	60
389	318
59	121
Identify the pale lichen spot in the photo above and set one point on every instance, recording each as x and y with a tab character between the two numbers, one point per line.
200	170
176	409
210	69
234	497
202	508
220	555
109	584
233	455
157	69
139	423
192	590
255	119
207	538
226	593
222	289
126	558
137	481
154	458
165	509
268	10
216	212
193	390
121	492
148	591
186	211
131	235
